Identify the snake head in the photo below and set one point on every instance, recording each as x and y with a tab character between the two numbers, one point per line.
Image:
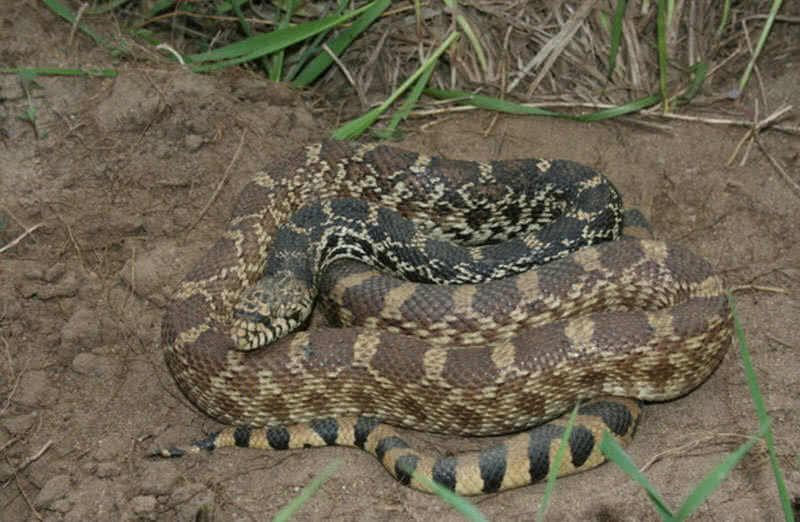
271	308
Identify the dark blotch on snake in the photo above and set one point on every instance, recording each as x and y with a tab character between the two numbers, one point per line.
404	467
444	472
492	463
363	429
617	417
581	443
539	449
327	429
278	437
389	443
241	436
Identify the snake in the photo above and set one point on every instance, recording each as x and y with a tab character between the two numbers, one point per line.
466	298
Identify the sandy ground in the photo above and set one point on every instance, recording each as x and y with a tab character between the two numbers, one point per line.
118	179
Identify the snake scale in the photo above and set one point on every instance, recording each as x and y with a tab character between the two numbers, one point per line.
508	348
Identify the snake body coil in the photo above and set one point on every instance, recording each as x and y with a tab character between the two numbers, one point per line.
658	320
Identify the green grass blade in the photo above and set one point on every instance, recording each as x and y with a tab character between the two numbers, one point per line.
699	73
723	21
158	7
105	8
617	455
498	105
661	25
552	473
773	12
267	43
764	420
713	479
275	71
314	46
280	5
460	504
489	103
28	80
620	110
320	64
306	493
616	35
408	105
245	25
466	28
61	10
356	127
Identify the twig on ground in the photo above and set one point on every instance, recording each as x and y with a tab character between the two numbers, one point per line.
368	70
777	165
747	139
749	44
76	23
219	185
25	463
172	51
9	442
361	96
27	500
790	129
16	381
11	394
782	342
779	18
22	466
74	243
20	237
759	288
755	127
681	450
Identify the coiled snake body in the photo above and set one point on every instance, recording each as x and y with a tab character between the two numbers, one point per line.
657	325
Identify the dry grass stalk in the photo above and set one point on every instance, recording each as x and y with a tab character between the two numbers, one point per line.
534	51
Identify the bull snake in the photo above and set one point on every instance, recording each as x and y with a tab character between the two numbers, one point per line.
658	322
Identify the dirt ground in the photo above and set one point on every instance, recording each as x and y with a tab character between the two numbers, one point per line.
117	182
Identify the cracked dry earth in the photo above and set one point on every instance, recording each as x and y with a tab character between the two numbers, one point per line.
118	181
